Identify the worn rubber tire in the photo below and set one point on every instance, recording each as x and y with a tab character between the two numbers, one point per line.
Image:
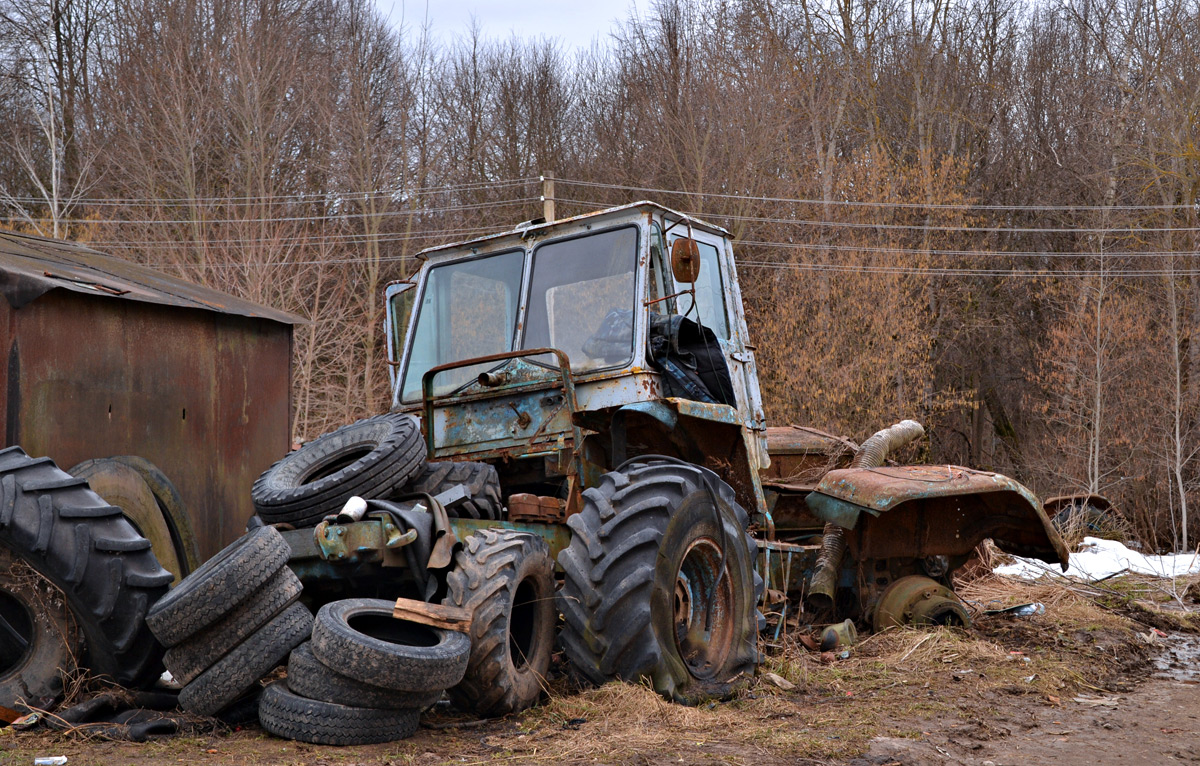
309	677
122	486
219	585
622	578
174	509
370	459
89	550
192	656
261	652
37	611
360	638
480	480
506	579
288	715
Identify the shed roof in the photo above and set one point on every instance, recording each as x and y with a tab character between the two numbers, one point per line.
33	266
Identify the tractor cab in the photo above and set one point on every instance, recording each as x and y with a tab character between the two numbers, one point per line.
620	332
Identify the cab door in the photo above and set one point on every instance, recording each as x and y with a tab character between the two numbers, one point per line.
718	307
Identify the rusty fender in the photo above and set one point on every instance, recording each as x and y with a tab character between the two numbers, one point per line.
932	510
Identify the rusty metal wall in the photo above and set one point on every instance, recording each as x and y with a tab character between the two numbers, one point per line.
204	396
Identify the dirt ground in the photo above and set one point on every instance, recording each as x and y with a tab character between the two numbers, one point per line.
1109	674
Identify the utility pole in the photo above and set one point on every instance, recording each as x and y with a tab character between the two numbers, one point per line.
548	196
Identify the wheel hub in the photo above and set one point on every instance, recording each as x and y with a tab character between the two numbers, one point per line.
703	603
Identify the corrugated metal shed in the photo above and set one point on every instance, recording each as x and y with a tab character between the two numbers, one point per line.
104	357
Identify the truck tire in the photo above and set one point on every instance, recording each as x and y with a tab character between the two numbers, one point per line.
506	578
643	566
480	480
192	656
261	652
288	715
219	585
88	550
370	459
359	637
309	677
40	639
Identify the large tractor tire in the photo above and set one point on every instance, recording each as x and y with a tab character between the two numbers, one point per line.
506	579
87	549
129	488
660	583
371	459
480	481
40	639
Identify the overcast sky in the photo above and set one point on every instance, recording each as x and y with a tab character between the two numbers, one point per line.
575	23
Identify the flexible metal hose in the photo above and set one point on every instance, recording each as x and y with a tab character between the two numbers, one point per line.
871	454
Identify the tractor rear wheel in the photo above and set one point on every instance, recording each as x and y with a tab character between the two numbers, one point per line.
660	582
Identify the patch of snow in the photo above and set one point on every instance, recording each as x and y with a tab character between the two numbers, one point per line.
1099	558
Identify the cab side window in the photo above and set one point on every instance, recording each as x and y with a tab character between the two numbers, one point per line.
709	308
657	288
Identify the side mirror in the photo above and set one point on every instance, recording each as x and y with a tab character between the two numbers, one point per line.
685	260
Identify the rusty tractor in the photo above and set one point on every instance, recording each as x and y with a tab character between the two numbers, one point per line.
590	410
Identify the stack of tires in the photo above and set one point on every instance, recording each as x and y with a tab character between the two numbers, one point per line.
364	677
375	458
231	622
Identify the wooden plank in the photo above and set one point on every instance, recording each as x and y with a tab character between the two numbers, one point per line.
434	615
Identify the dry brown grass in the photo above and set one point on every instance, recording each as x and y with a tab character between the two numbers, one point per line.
891	682
892	685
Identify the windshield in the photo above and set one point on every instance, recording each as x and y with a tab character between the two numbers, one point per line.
581	298
468	309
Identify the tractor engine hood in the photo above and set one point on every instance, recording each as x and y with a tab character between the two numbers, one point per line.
933	510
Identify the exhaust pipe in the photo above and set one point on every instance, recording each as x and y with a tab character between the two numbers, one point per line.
871	454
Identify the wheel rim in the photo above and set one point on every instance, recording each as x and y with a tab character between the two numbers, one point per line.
16	633
703	628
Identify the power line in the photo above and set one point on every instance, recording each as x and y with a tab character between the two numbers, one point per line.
292	219
850	203
300	197
969	253
932	227
964	272
299	239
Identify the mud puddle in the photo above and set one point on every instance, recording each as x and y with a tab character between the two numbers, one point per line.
1180	659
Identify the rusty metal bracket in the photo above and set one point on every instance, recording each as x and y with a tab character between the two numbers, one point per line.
350	543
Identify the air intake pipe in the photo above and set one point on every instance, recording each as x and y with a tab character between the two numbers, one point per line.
871	454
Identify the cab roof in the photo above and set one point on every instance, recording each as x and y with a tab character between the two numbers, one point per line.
539	228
